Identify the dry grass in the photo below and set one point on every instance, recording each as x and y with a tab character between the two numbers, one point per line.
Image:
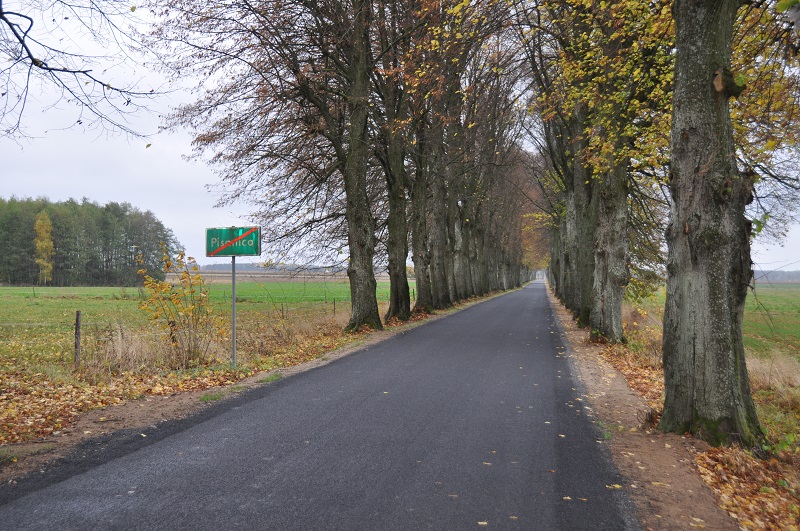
115	349
265	340
643	332
778	371
271	342
774	378
639	360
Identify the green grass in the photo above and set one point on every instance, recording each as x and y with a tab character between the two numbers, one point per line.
211	397
57	306
13	454
37	324
291	292
8	456
772	320
274	377
771	330
54	308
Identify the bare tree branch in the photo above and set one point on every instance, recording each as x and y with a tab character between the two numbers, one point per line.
48	57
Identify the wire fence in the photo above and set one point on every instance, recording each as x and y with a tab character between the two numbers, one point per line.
130	344
112	321
18	331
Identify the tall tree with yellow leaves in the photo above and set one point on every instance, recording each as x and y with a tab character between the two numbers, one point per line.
45	250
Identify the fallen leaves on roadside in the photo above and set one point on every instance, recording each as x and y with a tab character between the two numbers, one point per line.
752	491
645	380
33	406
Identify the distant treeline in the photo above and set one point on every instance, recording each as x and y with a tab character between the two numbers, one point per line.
777	277
279	268
75	243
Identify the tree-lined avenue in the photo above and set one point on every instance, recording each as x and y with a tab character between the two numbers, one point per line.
468	421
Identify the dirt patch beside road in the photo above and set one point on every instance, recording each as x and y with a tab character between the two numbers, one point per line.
661	478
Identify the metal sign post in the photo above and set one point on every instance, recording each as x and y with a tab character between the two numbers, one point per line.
233	312
233	242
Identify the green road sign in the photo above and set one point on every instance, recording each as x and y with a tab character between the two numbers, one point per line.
233	241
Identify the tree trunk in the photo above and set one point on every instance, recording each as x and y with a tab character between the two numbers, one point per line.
610	255
437	231
391	152
557	258
581	224
708	267
478	263
360	223
557	137
574	260
397	245
458	192
450	259
577	240
482	251
470	257
460	247
419	221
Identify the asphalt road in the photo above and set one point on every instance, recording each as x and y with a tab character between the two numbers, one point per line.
468	422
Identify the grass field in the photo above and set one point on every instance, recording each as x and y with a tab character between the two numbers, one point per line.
29	314
290	292
58	305
37	324
772	320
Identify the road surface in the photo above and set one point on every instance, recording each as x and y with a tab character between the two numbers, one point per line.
472	421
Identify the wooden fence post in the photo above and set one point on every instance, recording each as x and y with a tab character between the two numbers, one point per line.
77	340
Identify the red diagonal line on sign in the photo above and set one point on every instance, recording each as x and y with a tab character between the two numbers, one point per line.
243	236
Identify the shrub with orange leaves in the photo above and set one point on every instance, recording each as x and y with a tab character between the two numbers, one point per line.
184	311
